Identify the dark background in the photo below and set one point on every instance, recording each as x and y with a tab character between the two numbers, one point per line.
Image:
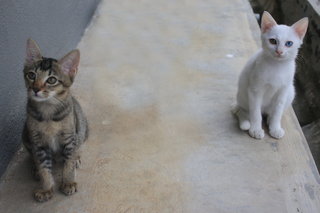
57	27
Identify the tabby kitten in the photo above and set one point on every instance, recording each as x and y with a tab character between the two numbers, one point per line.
55	125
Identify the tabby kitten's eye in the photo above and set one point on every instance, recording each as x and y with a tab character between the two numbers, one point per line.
31	75
272	41
51	80
289	43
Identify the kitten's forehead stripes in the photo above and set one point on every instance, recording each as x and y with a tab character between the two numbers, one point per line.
45	64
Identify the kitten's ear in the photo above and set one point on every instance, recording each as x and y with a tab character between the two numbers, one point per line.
267	22
70	62
300	27
33	52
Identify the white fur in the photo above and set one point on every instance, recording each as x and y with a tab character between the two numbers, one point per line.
266	82
40	96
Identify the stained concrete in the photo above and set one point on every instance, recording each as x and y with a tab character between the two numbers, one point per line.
156	81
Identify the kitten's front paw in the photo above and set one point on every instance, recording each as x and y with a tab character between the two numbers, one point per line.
68	188
277	133
256	133
41	195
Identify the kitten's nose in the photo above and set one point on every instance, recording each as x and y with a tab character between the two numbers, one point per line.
279	52
36	90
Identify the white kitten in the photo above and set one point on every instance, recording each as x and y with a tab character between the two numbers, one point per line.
266	82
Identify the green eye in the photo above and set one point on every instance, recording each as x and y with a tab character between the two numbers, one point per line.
51	80
31	75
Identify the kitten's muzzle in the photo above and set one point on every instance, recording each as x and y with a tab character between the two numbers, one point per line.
36	90
279	52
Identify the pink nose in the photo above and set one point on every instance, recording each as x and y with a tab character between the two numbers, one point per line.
279	52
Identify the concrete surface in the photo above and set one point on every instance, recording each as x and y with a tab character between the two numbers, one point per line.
156	81
57	26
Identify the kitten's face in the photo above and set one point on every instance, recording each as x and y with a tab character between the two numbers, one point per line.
48	78
282	42
44	80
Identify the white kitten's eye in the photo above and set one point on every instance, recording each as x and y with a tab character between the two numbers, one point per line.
289	43
273	41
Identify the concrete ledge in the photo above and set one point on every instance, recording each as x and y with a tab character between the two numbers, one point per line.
156	81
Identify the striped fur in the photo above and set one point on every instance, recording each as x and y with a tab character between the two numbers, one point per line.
55	125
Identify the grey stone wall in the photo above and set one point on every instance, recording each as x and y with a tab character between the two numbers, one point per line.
57	27
307	79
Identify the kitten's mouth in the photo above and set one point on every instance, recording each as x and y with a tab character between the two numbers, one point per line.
38	98
280	57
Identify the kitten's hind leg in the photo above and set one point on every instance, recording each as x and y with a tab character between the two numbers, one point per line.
243	117
244	120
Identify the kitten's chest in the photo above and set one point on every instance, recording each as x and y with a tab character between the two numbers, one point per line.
49	128
274	75
52	132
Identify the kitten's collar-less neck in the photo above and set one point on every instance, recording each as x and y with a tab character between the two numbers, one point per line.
49	110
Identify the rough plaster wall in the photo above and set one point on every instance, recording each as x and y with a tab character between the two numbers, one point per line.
57	27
